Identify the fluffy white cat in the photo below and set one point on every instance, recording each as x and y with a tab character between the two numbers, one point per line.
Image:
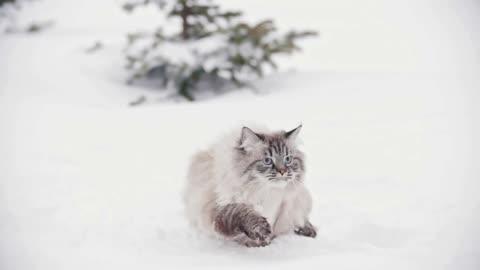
248	187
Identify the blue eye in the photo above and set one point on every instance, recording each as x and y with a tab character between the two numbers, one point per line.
267	161
287	159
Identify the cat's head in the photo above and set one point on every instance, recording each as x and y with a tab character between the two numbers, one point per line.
272	157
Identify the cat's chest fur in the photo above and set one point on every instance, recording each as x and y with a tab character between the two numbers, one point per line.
267	200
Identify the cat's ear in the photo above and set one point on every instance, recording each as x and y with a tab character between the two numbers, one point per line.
248	137
292	134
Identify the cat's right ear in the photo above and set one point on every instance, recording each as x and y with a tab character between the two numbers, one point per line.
292	134
248	138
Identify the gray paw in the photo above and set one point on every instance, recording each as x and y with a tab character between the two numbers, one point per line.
307	230
257	228
243	239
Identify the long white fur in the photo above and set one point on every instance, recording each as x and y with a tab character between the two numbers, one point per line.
213	180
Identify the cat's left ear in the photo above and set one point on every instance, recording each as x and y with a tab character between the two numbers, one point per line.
249	138
292	134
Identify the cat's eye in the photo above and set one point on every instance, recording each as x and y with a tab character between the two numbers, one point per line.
287	159
267	161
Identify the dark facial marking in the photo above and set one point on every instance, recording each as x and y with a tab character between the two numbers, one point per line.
273	146
298	163
262	168
250	166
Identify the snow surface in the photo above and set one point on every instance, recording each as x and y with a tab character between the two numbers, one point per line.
388	96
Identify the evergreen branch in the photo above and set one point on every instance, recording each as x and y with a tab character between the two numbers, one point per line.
244	50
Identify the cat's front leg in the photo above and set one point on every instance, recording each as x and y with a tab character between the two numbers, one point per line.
299	208
242	223
306	230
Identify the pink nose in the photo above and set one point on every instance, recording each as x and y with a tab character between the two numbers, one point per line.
282	171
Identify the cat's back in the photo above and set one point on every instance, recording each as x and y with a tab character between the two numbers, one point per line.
201	167
198	192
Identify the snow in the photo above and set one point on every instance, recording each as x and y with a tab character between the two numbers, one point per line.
388	98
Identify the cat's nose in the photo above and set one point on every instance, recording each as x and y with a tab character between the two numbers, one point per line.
282	171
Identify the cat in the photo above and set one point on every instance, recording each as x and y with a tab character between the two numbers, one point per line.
249	188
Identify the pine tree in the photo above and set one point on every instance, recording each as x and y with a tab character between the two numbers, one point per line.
240	50
6	1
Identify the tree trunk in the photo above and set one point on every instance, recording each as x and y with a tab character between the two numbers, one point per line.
184	14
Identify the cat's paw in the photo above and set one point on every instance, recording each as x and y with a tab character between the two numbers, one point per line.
244	240
307	230
257	228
